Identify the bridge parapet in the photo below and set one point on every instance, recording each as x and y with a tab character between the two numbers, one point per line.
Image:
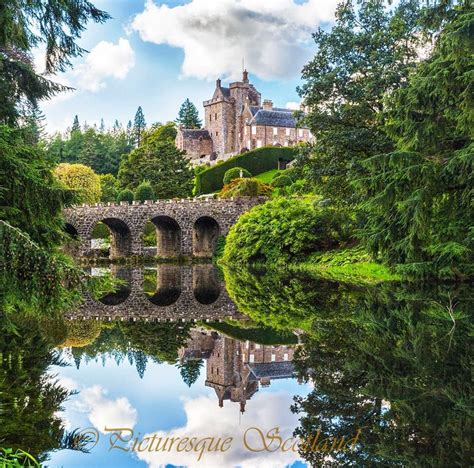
183	226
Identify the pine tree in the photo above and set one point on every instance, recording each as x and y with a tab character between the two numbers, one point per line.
138	126
188	115
76	126
102	125
190	370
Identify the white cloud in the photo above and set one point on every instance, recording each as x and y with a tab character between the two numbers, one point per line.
106	412
105	60
293	105
205	419
273	37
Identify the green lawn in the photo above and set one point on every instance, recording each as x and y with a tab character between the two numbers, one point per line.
266	177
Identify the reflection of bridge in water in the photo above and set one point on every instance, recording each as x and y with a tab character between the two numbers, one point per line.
182	293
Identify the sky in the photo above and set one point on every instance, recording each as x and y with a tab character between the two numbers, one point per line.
157	53
162	404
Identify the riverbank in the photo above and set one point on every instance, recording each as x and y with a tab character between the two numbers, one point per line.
353	265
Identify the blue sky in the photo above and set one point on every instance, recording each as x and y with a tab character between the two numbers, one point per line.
162	404
157	53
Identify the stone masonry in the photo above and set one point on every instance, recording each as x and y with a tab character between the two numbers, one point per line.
187	227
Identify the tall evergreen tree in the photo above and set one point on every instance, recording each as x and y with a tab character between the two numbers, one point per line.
139	126
188	115
76	126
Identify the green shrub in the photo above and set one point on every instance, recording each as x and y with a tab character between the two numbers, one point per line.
281	181
125	195
245	188
235	173
284	229
255	161
144	192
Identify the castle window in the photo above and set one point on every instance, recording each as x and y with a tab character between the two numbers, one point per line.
217	133
210	117
287	132
254	130
285	357
215	116
275	131
249	144
252	358
259	143
300	132
273	358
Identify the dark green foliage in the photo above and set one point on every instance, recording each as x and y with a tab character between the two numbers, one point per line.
161	163
109	188
282	230
30	199
369	52
125	195
281	181
255	161
144	192
188	115
190	370
235	173
100	150
419	199
25	25
254	332
139	126
395	362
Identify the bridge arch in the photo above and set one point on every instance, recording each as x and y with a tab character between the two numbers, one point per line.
206	231
167	287
206	284
71	231
120	237
168	236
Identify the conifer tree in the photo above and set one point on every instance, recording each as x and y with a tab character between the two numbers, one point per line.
76	126
188	115
139	125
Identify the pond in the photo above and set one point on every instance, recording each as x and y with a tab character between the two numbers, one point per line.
189	366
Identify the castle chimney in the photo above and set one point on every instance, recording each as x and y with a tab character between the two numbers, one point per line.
245	76
267	104
218	83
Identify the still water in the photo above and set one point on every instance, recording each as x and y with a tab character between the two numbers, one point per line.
186	366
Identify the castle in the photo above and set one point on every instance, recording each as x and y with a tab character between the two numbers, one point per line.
236	369
236	121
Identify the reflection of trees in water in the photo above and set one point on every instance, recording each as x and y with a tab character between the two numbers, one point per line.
137	342
30	398
390	366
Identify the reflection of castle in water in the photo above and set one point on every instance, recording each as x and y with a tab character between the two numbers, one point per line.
235	369
174	293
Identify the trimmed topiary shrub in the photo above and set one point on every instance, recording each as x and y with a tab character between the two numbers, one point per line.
235	173
125	195
255	161
81	333
245	188
144	192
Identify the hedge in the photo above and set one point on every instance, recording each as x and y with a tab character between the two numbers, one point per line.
255	161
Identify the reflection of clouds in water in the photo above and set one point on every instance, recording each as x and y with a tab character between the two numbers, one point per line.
206	419
103	411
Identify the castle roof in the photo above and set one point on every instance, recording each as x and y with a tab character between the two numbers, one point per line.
272	370
275	117
195	133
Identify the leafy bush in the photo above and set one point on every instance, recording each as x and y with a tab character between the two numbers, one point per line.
109	188
125	195
235	173
245	188
281	181
284	229
144	192
82	179
255	161
81	332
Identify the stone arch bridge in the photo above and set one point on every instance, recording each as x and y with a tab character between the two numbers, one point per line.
187	227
